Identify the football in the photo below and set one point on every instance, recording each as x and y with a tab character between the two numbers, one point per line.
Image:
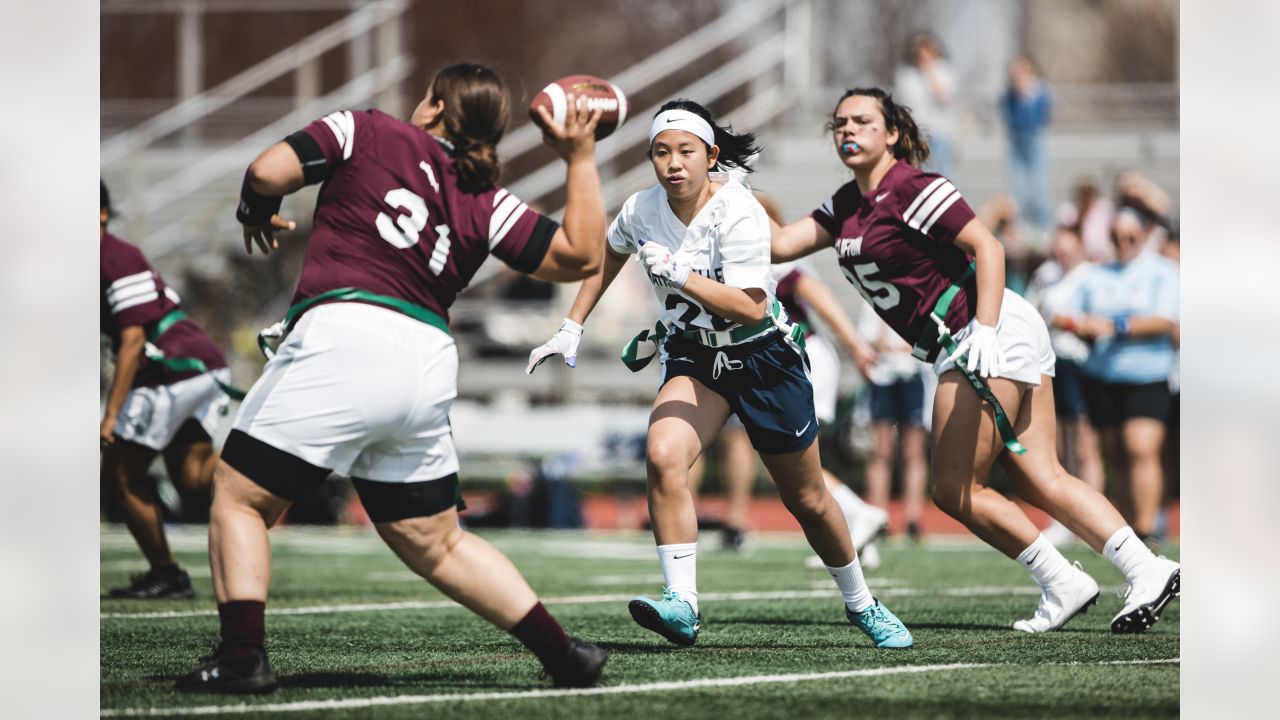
596	93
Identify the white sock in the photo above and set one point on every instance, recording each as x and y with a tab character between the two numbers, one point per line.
853	587
848	500
680	570
1127	552
1043	561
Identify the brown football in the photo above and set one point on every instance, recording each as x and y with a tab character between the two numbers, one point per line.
597	93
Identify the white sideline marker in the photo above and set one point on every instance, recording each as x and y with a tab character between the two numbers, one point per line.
352	703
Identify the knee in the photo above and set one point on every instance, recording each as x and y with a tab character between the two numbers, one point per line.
806	501
426	540
951	497
667	465
234	493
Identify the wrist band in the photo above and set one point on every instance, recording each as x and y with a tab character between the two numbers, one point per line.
1122	325
255	208
1068	324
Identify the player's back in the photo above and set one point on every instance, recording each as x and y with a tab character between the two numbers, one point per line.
391	218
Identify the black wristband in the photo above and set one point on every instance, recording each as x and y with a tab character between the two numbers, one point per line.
256	208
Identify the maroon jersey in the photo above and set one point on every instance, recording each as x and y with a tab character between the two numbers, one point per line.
392	220
787	275
896	246
133	293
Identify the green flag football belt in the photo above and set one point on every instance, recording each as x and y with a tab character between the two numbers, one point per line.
282	328
635	361
931	339
181	364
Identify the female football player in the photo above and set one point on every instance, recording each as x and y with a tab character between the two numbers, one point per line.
154	408
363	381
725	347
910	244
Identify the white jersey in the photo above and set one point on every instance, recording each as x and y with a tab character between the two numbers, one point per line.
728	241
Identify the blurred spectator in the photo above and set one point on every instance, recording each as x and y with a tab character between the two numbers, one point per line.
927	85
1025	108
1128	309
1051	289
1172	249
902	397
1000	214
1089	214
1134	190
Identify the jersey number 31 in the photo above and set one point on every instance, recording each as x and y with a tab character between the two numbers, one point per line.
403	232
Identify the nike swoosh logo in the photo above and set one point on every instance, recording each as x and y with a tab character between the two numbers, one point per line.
882	196
1122	542
801	430
681	557
681	360
1032	559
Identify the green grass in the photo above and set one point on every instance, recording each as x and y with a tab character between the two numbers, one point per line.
958	599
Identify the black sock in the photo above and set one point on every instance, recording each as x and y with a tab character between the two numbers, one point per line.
543	636
243	626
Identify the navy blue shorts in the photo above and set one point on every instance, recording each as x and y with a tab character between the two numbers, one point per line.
1112	404
770	392
1068	390
900	402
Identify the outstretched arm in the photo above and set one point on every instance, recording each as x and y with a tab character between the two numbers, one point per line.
576	248
802	237
565	341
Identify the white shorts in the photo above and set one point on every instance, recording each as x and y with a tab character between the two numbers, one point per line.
824	373
362	391
1028	352
151	416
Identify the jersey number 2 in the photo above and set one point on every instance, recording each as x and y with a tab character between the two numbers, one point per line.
403	232
884	295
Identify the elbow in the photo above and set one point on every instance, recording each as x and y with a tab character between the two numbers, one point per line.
258	177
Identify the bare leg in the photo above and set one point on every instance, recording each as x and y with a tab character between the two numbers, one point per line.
914	472
1041	480
1087	451
965	444
685	419
880	465
696	472
1143	438
1113	451
739	474
463	566
800	484
239	550
191	468
124	476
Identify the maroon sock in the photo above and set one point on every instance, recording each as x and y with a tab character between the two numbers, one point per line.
543	635
243	626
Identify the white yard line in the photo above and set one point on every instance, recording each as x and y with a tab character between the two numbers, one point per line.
828	592
356	703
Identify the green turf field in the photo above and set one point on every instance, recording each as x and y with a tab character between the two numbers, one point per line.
352	634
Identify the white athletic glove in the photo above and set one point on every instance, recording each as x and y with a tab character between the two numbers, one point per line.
564	342
983	349
661	263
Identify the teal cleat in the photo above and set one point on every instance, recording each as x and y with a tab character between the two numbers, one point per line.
671	617
883	627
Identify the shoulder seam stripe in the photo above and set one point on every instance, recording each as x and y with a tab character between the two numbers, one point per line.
924	194
140	300
502	233
941	209
926	209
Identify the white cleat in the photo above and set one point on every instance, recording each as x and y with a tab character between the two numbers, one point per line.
866	524
1062	601
1146	597
869	557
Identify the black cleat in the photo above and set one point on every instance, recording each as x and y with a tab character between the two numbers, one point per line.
581	667
155	585
732	538
221	673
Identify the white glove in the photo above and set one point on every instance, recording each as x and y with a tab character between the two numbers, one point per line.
983	349
564	342
659	261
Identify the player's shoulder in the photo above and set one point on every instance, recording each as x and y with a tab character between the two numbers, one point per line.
908	183
843	201
644	204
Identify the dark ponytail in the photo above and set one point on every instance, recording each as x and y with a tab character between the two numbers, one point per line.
736	150
911	145
476	109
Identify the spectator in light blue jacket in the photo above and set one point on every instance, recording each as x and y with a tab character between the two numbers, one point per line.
1128	310
1025	107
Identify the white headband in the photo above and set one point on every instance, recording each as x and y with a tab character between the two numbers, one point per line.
682	120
